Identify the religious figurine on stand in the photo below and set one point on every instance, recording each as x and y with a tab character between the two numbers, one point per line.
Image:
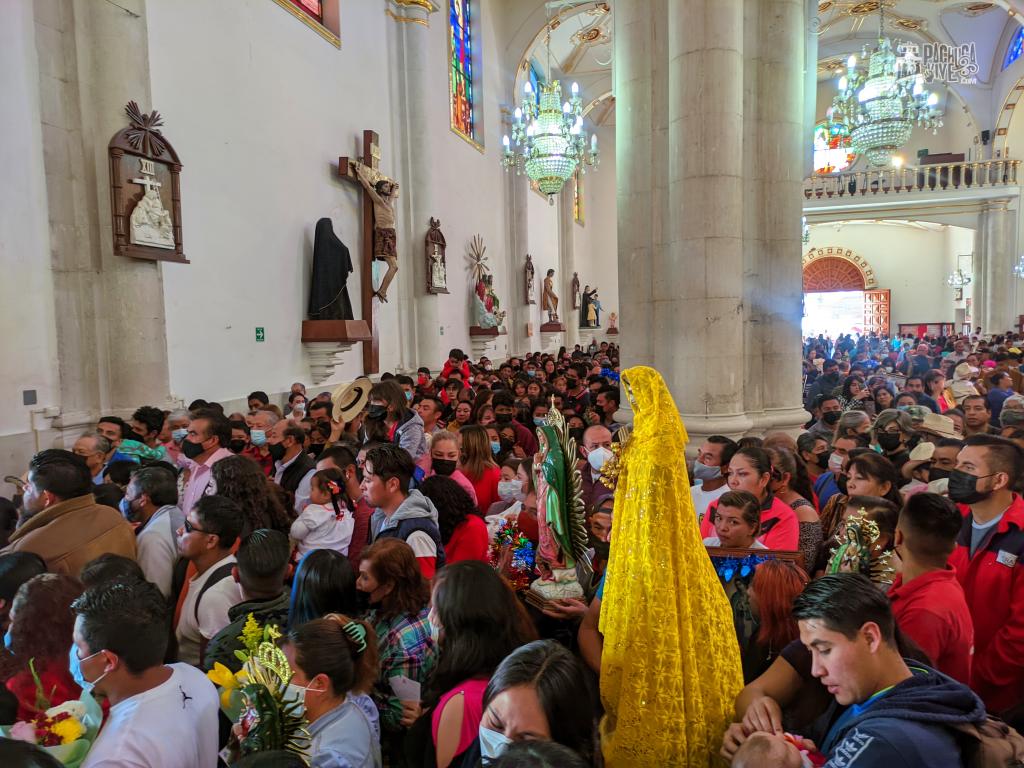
485	305
332	264
575	290
383	192
437	267
549	299
613	324
531	276
560	514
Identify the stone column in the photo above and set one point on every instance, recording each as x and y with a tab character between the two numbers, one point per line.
996	226
112	341
419	315
519	311
567	265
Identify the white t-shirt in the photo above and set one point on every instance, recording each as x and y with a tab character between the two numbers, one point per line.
171	726
213	612
317	527
702	498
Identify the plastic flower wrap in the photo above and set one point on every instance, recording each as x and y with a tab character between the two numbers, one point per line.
512	555
66	731
230	683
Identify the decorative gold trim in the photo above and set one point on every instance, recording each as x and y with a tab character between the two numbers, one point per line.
320	29
426	5
475	144
405	19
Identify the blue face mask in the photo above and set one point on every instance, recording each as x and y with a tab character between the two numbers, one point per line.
495	447
408	396
126	508
539	421
8	640
75	667
492	743
179	434
531	374
258	437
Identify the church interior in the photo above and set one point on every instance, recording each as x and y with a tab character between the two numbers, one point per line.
717	208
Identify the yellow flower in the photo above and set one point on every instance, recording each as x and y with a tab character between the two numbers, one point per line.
70	729
222	677
251	634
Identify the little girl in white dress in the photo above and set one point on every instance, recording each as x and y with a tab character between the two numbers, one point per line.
326	522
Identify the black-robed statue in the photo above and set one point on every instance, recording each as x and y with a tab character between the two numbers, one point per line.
332	264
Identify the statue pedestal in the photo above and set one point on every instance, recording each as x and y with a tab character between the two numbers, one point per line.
324	340
552	336
484	341
613	331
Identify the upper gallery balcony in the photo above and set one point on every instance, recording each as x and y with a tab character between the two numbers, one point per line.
929	179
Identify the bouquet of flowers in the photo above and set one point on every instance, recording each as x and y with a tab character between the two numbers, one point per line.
230	683
66	731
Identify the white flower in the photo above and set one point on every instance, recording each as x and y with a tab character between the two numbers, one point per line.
74	708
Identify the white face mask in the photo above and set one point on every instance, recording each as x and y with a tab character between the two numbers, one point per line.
298	693
510	490
597	457
835	463
492	743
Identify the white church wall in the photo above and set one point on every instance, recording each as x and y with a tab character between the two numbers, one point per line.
596	243
26	290
911	262
542	240
260	108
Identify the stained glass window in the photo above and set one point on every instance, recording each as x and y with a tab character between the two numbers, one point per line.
460	46
1013	51
313	8
536	80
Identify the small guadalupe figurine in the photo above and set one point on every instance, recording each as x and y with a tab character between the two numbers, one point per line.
860	553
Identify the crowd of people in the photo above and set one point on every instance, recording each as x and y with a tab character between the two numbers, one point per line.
877	611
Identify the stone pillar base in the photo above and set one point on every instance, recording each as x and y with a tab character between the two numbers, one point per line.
550	341
484	341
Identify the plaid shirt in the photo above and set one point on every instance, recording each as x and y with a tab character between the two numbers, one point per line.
407	649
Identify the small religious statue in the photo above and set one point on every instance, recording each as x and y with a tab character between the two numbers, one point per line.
589	309
613	323
549	299
332	264
575	290
560	513
150	223
858	551
437	267
531	277
383	192
485	305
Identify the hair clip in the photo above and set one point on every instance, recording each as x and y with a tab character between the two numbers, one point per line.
356	633
332	486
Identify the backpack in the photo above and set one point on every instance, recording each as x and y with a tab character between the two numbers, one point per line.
990	743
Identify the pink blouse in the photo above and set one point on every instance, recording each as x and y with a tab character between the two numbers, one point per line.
473	711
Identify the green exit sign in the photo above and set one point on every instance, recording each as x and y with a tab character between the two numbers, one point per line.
261	335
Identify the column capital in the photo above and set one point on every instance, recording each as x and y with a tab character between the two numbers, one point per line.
411	11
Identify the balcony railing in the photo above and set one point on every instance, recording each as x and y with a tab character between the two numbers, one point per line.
923	178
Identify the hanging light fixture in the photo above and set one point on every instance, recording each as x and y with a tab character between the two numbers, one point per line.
1018	268
805	237
880	103
958	279
548	140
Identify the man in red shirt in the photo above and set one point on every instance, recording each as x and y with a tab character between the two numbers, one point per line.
988	561
927	600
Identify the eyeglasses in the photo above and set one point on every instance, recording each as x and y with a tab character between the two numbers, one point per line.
189	528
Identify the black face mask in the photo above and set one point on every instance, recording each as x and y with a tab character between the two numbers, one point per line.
190	449
963	488
237	446
821	459
503	418
577	432
602	548
316	449
841	484
276	451
889	443
831	417
377	412
938	474
443	466
507	443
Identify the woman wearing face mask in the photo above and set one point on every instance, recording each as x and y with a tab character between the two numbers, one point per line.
751	470
477	463
463	532
40	628
510	488
296	407
443	459
334	665
477	621
399	597
402	425
814	451
893	433
537	694
794	488
494	436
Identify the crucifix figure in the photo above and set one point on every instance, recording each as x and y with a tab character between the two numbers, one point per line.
150	223
379	194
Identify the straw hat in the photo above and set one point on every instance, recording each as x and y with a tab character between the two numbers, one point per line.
350	399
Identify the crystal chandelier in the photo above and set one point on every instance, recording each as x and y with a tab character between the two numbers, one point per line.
958	279
548	140
805	236
1018	268
881	105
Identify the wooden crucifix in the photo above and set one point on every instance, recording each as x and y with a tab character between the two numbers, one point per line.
379	240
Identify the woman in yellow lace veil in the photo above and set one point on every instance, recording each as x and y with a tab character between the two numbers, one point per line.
670	670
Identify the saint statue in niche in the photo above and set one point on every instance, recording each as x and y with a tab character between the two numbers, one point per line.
382	192
575	290
549	300
332	264
150	223
531	276
438	277
437	266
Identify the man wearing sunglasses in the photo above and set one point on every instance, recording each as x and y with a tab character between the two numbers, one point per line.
211	528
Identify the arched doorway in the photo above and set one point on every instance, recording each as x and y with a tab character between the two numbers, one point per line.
841	294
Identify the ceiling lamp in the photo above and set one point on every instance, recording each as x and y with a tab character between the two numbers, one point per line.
958	279
881	102
548	140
